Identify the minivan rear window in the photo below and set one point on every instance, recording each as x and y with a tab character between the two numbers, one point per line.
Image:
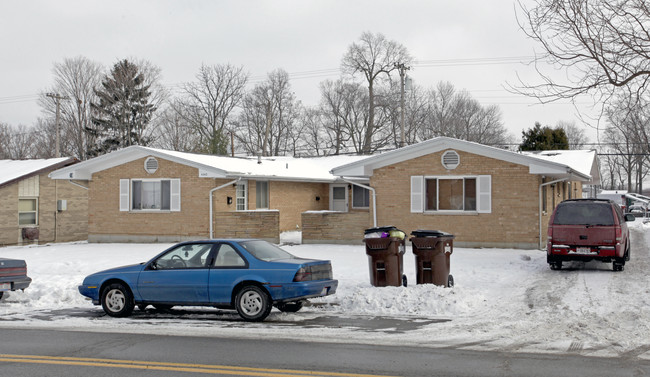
584	214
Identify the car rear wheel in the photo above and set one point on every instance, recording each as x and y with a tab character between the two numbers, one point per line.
117	300
618	266
253	303
556	265
1	293
290	307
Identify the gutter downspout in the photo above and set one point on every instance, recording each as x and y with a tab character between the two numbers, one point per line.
374	199
541	246
213	190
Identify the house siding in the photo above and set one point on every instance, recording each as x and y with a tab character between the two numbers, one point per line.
53	225
287	200
514	218
106	223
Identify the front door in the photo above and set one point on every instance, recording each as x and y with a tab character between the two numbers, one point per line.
339	198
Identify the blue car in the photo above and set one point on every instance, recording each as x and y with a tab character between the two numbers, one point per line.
250	276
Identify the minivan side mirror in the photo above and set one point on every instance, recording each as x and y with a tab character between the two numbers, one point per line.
629	217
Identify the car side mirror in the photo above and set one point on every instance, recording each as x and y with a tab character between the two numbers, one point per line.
153	265
629	217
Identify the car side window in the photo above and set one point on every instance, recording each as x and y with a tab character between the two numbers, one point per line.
227	257
184	256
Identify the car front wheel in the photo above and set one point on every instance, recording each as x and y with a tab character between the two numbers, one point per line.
117	300
253	303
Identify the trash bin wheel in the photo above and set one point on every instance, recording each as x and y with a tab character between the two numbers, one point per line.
404	280
450	281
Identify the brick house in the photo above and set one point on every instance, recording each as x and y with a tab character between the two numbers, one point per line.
37	209
141	194
485	196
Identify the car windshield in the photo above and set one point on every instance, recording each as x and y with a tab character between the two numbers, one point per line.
587	213
265	251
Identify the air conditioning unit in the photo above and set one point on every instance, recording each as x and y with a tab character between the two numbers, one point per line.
61	205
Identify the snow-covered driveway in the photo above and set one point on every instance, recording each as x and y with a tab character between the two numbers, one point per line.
503	299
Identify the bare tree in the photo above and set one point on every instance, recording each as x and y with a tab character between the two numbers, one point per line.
602	45
268	116
374	57
174	131
314	136
209	103
18	142
458	115
333	107
74	79
577	137
44	139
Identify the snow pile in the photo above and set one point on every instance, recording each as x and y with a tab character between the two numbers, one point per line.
503	299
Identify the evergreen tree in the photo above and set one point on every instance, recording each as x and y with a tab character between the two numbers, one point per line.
123	112
544	138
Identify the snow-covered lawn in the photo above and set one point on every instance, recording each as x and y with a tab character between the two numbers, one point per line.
503	299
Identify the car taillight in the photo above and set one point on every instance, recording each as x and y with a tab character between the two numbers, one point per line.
303	274
619	233
549	233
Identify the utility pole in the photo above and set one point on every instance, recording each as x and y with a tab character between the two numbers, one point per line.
402	68
58	99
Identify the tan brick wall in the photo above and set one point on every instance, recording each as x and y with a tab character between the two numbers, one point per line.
294	198
514	218
53	225
9	232
248	224
106	219
335	227
108	223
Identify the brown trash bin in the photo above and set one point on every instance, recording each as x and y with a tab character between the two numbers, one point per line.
432	249
385	259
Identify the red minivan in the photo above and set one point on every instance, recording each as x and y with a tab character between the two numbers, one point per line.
588	229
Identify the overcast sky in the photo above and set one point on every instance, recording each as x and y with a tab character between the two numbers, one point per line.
450	40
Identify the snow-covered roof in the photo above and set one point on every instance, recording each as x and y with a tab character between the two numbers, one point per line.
313	169
14	170
576	165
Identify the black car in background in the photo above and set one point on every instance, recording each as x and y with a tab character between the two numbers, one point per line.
13	275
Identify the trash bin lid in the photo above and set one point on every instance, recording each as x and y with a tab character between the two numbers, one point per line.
380	229
430	233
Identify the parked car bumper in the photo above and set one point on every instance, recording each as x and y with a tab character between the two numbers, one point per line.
566	252
14	283
302	290
90	291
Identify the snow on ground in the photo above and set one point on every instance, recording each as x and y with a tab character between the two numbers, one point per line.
503	299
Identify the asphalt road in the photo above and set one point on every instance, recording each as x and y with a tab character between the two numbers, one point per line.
36	353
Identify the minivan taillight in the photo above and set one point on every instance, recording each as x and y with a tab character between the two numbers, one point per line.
619	233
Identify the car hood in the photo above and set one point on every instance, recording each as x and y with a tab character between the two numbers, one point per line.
128	268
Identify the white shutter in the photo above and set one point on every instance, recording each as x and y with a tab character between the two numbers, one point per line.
175	202
124	194
484	194
417	193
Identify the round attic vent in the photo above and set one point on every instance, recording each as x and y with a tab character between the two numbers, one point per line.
450	160
150	165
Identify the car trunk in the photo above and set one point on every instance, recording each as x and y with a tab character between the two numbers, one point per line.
12	268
